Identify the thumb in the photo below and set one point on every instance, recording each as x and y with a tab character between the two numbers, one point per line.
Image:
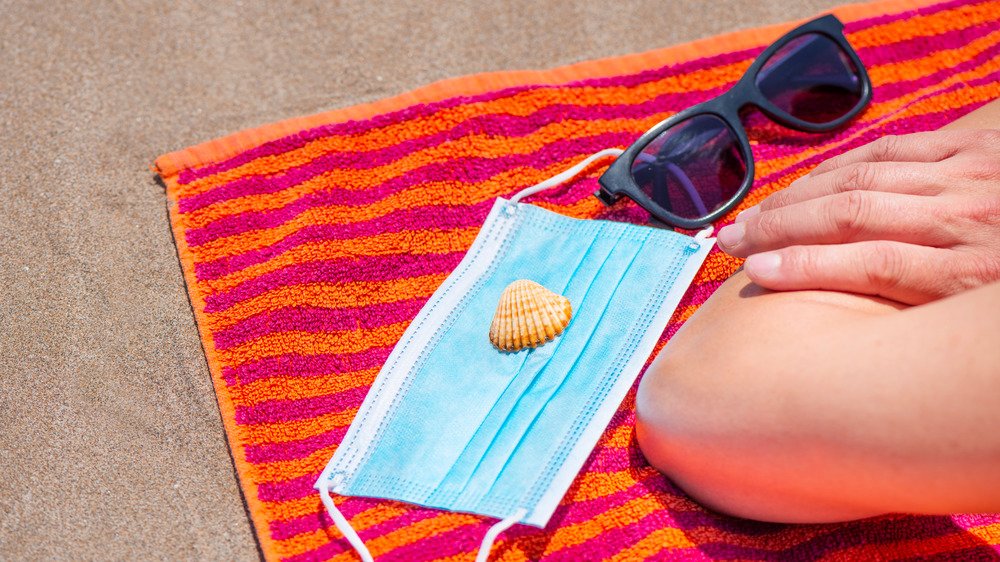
906	273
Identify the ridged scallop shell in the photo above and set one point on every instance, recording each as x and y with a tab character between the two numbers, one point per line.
528	315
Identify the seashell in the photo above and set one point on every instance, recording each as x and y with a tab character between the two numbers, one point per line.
528	315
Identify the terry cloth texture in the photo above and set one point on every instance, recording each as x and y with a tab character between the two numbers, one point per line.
308	246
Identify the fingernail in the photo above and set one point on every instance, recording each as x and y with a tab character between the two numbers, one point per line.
762	266
747	213
731	236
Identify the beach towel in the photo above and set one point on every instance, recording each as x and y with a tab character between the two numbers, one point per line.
308	245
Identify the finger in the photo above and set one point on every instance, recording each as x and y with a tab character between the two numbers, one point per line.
918	178
852	216
931	146
905	273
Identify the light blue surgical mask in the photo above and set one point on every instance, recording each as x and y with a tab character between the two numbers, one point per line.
455	424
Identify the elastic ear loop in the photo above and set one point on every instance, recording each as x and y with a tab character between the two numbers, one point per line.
491	536
564	176
343	524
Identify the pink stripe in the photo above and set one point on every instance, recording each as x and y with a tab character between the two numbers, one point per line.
471	169
344	270
615	537
837	537
271	411
968	520
918	47
290	450
436	217
295	365
855	26
287	490
314	320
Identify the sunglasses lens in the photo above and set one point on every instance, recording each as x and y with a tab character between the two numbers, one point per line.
811	78
693	168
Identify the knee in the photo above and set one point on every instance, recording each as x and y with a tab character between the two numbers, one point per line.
682	431
726	443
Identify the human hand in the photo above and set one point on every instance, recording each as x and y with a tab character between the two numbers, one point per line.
911	218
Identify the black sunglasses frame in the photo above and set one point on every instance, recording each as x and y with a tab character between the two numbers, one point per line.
617	181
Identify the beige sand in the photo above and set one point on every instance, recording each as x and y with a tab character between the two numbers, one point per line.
111	445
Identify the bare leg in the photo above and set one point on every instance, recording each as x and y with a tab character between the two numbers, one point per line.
818	406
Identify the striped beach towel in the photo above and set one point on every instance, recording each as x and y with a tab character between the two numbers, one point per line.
308	245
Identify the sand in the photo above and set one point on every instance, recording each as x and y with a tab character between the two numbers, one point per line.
111	446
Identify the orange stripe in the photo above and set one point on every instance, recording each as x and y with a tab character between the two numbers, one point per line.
306	343
329	295
364	520
990	533
654	543
593	485
913	69
389	243
301	507
429	527
620	438
236	143
718	266
281	432
571	535
927	25
295	388
278	471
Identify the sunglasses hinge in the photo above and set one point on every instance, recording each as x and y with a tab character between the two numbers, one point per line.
605	197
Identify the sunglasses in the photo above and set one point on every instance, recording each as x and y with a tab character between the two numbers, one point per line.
696	166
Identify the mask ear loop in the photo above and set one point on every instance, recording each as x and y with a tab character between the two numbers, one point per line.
564	176
343	524
491	536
